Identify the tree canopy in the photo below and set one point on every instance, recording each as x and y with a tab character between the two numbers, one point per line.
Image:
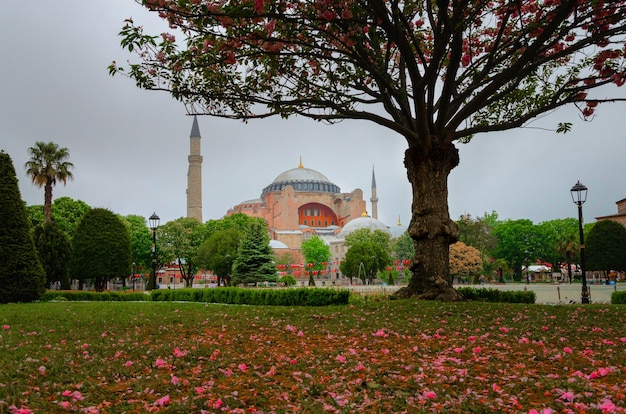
219	251
316	253
101	248
178	241
48	164
435	73
605	246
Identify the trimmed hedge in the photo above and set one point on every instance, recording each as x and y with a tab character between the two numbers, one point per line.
91	296
497	295
247	296
618	297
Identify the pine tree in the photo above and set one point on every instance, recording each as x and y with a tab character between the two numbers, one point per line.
22	278
255	258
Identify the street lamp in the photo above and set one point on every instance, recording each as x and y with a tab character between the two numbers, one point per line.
154	223
134	271
579	196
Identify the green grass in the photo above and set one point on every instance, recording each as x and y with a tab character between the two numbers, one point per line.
369	357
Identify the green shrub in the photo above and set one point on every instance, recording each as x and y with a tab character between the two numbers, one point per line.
247	296
92	296
496	295
618	297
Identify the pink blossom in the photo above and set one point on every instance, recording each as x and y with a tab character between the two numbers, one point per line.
162	401
458	350
567	396
242	366
477	350
175	380
381	332
341	359
15	410
42	370
6	327
567	350
607	406
128	363
65	404
430	395
504	329
160	363
300	333
179	353
218	403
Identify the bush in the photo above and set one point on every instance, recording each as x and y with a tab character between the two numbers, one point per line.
618	297
496	295
92	296
266	297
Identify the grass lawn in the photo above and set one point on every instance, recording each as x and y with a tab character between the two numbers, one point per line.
373	357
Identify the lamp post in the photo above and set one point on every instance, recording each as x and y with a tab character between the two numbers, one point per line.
154	224
579	196
134	271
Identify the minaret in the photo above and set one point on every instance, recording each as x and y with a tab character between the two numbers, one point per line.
374	199
194	174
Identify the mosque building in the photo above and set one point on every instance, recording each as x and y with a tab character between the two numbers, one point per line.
298	204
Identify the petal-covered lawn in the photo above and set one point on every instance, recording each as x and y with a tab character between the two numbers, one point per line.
374	357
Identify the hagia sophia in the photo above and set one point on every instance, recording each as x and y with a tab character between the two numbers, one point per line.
298	204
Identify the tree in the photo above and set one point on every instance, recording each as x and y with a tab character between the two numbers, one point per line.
364	259
255	259
605	247
402	247
437	73
101	248
517	243
140	241
65	211
178	241
465	261
218	253
54	251
377	236
22	278
316	254
48	163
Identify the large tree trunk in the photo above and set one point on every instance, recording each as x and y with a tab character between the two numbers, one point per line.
431	229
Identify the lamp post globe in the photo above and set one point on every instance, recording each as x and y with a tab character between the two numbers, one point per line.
154	224
579	196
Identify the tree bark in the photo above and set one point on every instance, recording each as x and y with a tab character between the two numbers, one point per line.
431	229
47	203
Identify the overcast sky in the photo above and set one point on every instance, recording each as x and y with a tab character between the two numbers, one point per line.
130	146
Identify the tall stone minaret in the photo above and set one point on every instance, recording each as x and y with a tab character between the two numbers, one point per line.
374	199
194	174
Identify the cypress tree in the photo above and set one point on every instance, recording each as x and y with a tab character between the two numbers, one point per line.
22	278
54	251
100	248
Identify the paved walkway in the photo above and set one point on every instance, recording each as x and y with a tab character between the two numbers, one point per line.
546	293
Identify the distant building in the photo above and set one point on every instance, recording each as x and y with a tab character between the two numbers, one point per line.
620	217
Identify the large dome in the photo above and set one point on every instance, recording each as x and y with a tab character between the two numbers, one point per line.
363	222
302	179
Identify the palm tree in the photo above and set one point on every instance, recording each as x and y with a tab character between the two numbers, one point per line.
48	163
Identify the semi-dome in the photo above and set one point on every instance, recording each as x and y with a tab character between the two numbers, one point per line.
363	222
302	179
